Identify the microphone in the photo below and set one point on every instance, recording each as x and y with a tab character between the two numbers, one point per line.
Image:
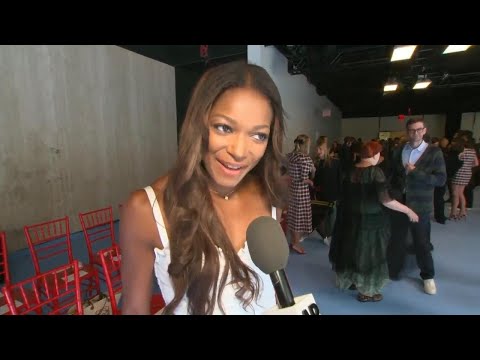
269	251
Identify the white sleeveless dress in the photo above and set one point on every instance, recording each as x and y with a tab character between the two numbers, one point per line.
231	305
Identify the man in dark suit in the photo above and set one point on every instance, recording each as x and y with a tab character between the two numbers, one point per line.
417	168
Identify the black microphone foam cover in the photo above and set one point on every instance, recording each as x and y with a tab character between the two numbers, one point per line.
267	244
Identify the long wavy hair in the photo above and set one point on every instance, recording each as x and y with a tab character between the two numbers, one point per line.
196	232
323	141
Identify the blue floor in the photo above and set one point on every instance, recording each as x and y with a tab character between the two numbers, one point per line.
456	257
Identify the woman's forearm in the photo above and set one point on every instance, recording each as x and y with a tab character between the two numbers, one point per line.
397	206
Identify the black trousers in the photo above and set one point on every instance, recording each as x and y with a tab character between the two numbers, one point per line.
397	248
474	182
468	193
439	203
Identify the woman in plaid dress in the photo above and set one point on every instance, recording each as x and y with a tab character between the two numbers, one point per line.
300	169
461	179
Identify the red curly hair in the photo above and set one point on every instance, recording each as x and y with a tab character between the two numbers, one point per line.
370	149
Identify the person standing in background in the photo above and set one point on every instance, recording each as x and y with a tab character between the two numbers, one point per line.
417	169
439	192
300	169
327	188
359	248
462	178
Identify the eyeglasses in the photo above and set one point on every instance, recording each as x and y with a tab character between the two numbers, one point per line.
413	131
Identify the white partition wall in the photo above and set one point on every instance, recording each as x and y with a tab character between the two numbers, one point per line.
368	127
471	121
307	112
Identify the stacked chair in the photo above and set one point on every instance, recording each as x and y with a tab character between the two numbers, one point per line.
98	231
50	242
62	284
111	262
52	292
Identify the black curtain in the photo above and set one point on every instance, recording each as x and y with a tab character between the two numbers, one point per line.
452	123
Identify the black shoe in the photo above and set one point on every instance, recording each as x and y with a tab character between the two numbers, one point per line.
366	298
352	287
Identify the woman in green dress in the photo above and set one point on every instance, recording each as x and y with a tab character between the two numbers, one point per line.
362	230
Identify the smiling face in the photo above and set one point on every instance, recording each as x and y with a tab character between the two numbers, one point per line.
415	132
239	130
322	151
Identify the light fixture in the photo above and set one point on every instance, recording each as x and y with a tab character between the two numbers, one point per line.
390	87
422	82
456	48
402	52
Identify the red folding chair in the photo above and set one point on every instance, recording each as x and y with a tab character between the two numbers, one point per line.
50	245
5	276
55	292
157	304
111	262
4	271
99	233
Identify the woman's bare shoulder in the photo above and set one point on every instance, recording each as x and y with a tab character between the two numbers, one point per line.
138	199
137	215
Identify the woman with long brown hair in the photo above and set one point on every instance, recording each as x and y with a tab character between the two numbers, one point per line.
328	184
190	225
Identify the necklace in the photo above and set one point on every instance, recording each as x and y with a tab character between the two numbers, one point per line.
227	196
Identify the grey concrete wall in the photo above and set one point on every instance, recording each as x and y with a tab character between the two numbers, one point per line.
80	127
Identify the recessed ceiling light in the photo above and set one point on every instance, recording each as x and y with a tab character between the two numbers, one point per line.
390	87
422	84
403	52
456	48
